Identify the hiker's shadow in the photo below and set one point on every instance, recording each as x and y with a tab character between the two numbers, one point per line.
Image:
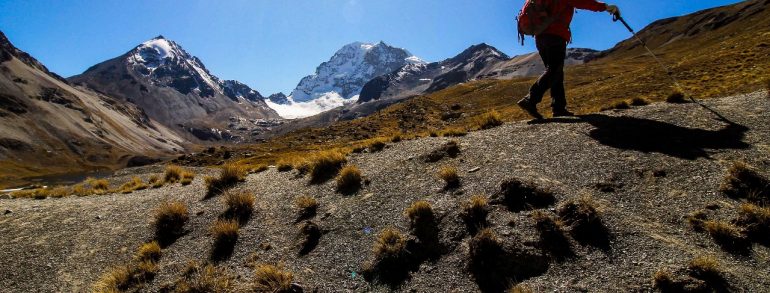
651	136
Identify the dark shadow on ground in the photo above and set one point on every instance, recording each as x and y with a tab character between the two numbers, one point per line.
651	136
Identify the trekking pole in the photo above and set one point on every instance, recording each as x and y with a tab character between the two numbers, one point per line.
615	18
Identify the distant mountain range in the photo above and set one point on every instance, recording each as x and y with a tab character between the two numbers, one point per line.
480	61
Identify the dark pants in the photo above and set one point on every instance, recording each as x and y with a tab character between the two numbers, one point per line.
553	50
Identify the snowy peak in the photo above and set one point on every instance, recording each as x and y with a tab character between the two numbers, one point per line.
338	82
174	87
165	63
350	68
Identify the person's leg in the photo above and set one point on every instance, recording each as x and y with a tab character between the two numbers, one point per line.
538	89
556	54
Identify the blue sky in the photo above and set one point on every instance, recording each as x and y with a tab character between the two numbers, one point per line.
271	44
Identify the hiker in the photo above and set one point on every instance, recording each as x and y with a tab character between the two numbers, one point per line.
551	39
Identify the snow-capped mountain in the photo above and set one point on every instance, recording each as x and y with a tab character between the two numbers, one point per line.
339	80
174	87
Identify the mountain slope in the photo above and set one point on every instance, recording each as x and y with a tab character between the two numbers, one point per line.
174	87
339	80
50	126
671	167
732	59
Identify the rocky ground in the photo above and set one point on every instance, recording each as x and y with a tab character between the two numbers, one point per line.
648	168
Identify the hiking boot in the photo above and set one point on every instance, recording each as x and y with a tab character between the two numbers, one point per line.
530	108
562	113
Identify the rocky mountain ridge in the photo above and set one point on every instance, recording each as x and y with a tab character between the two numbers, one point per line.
176	89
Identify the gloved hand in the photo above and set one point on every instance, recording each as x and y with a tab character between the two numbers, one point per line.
613	9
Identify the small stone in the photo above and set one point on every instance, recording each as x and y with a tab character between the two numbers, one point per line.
474	170
7	212
98	217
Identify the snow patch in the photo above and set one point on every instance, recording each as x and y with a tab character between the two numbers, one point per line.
325	102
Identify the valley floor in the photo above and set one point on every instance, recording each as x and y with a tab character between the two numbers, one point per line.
661	162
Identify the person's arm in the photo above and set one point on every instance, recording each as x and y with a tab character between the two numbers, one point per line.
592	5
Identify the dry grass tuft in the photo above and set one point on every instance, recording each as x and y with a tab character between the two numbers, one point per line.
450	177
422	221
135	184
310	234
520	289
240	205
419	211
744	181
284	165
376	145
756	221
123	278
705	268
396	138
170	218
197	279
187	178
454	132
155	181
518	195
639	102
229	176
149	251
272	279
488	120
39	193
225	234
98	185
483	249
474	213
583	216
622	105
552	238
307	206
663	280
325	165
390	245
349	180
676	97
173	173
727	235
697	220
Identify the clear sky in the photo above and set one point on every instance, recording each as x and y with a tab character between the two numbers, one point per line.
271	44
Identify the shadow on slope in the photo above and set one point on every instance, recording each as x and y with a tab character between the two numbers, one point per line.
651	136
